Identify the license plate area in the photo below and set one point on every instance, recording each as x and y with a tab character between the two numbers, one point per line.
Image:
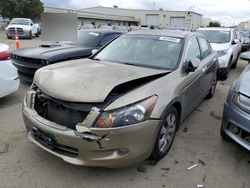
51	143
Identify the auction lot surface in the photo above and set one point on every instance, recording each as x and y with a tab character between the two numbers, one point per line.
220	163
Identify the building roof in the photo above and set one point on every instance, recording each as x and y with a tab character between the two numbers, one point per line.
110	8
85	14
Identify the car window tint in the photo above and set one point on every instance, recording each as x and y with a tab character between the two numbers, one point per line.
205	50
193	50
108	37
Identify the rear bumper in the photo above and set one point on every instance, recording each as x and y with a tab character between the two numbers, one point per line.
121	147
235	116
8	78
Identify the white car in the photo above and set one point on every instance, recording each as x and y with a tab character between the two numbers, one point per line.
9	81
24	26
227	45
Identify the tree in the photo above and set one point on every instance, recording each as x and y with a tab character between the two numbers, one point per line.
21	9
214	24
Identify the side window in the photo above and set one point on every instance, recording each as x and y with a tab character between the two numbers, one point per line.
205	50
108	37
193	50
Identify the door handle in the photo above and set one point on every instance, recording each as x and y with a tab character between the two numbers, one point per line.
204	68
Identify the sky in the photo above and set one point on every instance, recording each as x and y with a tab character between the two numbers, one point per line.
228	12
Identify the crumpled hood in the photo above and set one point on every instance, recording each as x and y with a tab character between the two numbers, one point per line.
218	47
86	80
244	86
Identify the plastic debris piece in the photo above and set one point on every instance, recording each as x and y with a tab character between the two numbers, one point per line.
191	167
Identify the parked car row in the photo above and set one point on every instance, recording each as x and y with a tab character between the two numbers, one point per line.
120	105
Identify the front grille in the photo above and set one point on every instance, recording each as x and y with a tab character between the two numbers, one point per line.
29	60
12	30
67	114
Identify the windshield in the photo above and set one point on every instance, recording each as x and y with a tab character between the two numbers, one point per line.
19	22
146	51
216	36
87	38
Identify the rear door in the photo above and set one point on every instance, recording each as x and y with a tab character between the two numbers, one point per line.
192	88
208	64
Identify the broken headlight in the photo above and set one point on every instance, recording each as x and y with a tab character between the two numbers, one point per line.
128	115
242	101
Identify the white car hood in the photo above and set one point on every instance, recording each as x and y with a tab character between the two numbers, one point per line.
219	47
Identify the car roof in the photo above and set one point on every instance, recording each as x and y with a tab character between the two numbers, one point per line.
169	33
215	29
102	31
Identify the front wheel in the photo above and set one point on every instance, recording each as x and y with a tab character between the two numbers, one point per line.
30	35
166	134
37	33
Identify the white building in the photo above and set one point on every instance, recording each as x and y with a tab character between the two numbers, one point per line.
119	16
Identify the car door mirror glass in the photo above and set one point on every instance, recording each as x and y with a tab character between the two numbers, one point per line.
31	24
193	64
94	51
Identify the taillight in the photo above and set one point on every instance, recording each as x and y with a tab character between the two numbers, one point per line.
5	55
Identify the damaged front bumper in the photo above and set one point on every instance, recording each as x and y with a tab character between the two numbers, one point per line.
102	147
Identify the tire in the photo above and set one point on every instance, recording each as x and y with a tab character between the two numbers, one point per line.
224	76
37	33
9	37
30	35
212	89
223	135
167	130
234	65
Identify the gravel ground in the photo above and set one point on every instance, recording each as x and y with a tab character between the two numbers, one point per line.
220	163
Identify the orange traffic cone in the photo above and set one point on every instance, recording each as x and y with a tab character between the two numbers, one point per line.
17	40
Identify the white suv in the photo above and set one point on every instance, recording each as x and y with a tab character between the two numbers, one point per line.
227	45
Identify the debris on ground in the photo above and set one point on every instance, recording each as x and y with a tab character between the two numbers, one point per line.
5	149
185	129
202	162
167	169
142	169
215	116
200	186
191	167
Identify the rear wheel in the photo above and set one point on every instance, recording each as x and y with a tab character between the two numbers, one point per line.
166	134
212	89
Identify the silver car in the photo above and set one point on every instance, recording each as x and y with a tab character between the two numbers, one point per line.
125	103
236	115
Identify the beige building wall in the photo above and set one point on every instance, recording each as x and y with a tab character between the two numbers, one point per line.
192	20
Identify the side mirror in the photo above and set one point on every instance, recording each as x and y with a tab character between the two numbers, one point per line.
193	64
245	56
235	41
31	24
94	51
